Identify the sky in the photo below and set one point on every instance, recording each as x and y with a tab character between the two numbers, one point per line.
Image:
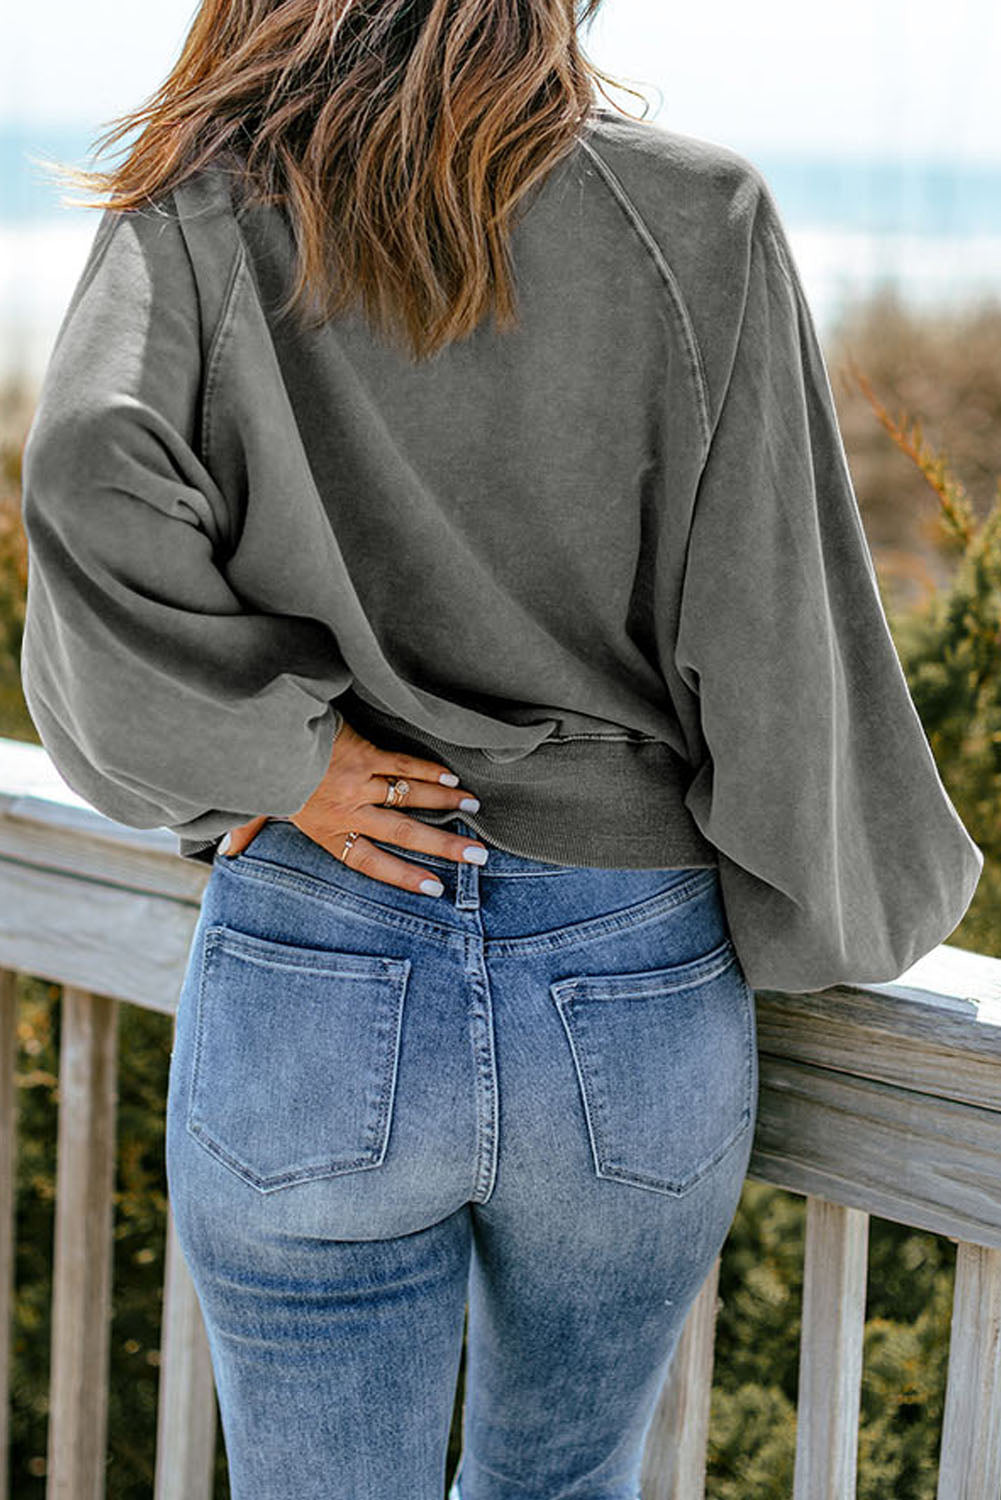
891	78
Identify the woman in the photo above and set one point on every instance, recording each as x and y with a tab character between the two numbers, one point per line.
523	679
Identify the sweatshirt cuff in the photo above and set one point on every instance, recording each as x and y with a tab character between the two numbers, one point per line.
205	831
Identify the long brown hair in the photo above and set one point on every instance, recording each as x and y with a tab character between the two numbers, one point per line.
398	135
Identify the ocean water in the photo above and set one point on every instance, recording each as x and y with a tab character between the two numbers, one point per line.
930	229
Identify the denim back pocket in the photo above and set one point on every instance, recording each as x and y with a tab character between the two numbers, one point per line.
295	1057
667	1064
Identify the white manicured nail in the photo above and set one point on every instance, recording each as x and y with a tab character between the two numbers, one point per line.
448	778
474	854
432	887
225	842
470	804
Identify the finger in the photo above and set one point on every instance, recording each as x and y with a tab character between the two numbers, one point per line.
239	837
368	859
395	827
395	763
423	794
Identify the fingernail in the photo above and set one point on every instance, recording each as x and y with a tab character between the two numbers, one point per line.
432	887
448	778
474	854
225	842
470	804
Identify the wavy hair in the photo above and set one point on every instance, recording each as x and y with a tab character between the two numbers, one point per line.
399	137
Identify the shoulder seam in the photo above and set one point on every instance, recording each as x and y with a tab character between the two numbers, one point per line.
649	242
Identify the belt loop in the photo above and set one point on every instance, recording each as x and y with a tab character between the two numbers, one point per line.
467	886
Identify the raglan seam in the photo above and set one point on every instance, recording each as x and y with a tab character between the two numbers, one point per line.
214	337
779	248
707	452
651	245
758	212
213	358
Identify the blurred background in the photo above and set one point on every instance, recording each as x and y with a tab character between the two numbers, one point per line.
877	124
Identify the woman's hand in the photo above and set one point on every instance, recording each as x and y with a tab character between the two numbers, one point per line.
350	797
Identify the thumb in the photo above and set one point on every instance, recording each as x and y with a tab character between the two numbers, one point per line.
236	840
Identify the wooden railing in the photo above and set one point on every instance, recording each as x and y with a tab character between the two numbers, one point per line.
880	1100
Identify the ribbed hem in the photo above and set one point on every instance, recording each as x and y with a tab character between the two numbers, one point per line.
201	849
612	803
204	849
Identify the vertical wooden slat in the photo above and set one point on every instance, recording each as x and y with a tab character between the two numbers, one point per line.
8	1124
81	1275
830	1362
970	1462
186	1411
674	1458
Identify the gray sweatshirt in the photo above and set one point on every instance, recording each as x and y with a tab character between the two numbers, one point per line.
608	567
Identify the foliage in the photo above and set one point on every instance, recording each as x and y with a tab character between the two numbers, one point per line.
15	408
951	651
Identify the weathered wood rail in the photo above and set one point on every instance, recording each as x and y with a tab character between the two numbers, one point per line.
881	1100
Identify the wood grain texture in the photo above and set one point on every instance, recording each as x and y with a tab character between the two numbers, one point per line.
830	1354
82	1262
970	1460
901	1154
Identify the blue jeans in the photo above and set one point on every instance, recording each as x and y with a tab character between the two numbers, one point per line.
532	1097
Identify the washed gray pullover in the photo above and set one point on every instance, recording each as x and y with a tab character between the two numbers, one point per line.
608	567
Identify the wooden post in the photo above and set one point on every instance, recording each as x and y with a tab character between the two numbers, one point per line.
830	1361
81	1277
970	1461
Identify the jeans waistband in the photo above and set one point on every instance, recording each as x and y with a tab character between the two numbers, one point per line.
281	852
